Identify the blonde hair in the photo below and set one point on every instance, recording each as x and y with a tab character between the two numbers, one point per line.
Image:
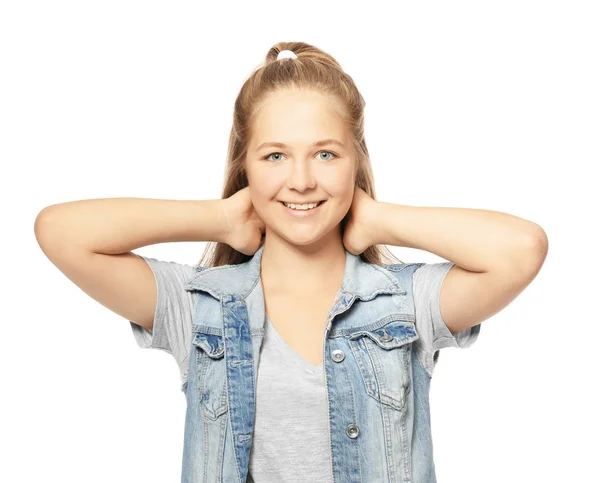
315	70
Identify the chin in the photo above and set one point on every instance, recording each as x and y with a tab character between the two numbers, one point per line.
308	239
307	243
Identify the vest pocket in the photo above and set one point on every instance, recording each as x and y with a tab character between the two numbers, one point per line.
210	366
384	359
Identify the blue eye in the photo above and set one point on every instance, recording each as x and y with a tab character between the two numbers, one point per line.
333	154
269	155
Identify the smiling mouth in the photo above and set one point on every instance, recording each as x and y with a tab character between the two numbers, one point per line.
319	204
304	203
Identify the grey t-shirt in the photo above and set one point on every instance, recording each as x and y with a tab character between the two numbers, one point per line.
290	391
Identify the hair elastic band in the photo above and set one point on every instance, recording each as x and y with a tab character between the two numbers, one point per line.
286	54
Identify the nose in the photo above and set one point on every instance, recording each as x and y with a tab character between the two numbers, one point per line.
301	176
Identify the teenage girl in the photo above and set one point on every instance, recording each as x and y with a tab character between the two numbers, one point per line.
343	336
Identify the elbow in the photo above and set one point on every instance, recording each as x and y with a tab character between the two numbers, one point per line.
539	242
40	223
44	226
536	249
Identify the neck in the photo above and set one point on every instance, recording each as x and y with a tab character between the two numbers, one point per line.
310	268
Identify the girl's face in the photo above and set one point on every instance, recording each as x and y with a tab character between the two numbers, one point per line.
300	151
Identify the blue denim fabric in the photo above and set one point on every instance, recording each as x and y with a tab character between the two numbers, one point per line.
377	390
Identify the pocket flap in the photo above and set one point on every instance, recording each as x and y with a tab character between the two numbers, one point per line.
390	336
209	342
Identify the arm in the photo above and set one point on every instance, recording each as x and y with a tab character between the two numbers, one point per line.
90	241
496	255
476	240
118	225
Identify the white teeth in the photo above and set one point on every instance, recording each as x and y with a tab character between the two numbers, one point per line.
308	206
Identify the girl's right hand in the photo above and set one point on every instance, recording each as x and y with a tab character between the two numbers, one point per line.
244	227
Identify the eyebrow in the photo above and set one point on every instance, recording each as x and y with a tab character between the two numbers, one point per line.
317	144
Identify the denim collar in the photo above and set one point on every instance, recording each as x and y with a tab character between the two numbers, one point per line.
361	280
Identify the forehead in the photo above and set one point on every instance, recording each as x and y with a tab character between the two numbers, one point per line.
297	116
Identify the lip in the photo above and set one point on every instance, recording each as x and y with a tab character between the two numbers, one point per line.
302	213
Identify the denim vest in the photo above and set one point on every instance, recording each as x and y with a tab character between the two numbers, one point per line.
377	390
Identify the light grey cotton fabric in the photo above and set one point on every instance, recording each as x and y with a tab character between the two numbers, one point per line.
291	400
173	316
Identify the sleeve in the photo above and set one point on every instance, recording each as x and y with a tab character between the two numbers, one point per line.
173	316
433	332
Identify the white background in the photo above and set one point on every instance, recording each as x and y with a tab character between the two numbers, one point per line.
491	105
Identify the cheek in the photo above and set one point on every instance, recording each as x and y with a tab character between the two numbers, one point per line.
262	189
341	188
338	181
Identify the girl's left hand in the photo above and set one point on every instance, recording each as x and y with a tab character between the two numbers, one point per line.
360	232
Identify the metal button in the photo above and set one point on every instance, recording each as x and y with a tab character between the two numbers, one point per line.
386	337
338	355
352	431
219	351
